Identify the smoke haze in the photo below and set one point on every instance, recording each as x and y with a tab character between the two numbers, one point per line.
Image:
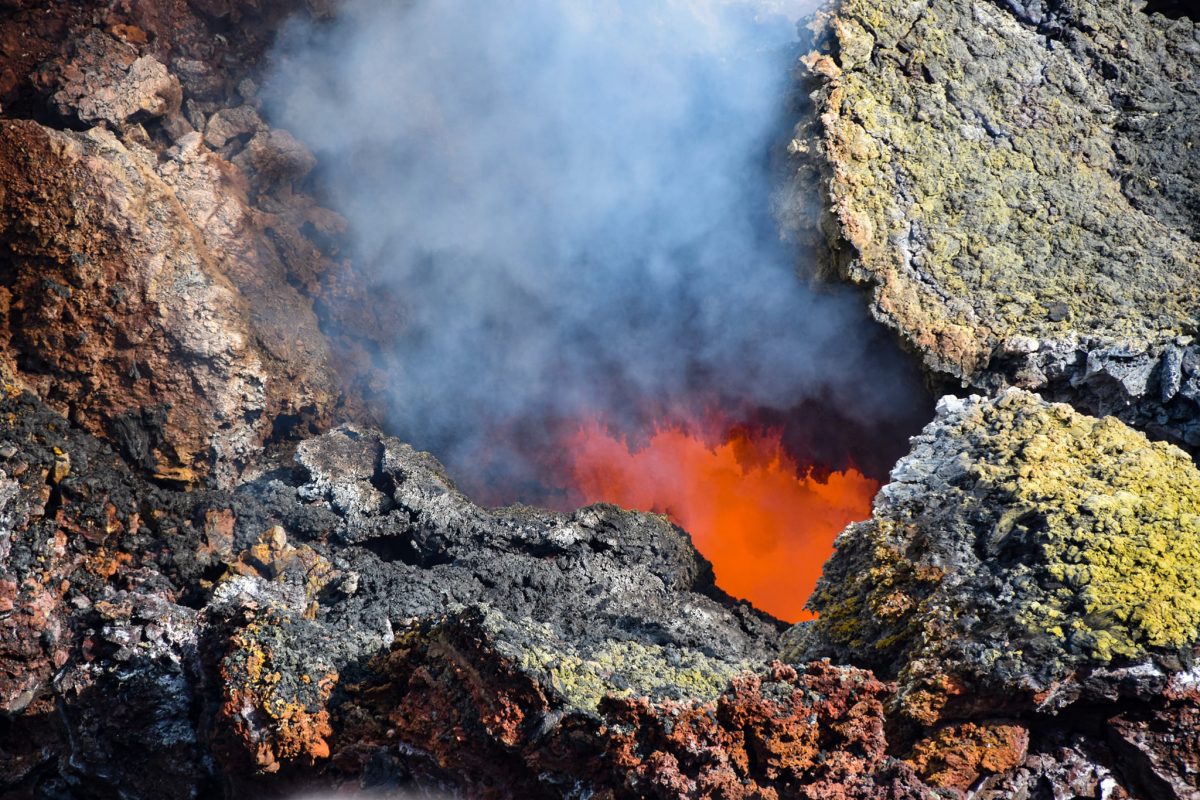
571	201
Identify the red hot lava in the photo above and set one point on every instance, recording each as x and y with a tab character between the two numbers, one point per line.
765	523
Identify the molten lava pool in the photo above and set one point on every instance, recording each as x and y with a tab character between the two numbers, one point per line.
763	521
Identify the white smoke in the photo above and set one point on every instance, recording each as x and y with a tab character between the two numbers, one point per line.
571	199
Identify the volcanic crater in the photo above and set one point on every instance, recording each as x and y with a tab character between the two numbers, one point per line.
257	256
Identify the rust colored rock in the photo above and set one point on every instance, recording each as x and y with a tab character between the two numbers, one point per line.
471	696
274	721
813	732
955	756
105	80
144	300
32	642
1160	749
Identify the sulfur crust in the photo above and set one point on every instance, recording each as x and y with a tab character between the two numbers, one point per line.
1021	541
976	177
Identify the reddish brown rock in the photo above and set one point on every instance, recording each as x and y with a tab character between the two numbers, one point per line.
813	732
471	695
1061	765
266	715
145	301
32	636
955	756
105	80
1160	748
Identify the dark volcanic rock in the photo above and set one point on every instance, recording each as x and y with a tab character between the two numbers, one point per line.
206	592
237	632
1024	557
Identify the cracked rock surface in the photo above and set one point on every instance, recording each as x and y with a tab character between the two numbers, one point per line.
1016	182
1027	566
247	630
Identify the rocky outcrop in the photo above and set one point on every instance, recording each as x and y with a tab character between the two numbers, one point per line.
351	618
1027	569
285	627
1016	183
165	282
129	295
216	579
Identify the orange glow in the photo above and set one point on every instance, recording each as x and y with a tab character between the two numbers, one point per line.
766	526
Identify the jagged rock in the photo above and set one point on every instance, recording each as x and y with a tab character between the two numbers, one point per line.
1024	557
955	756
352	617
274	677
105	80
1016	182
1061	766
231	123
142	299
518	713
1159	746
127	697
808	732
275	156
239	630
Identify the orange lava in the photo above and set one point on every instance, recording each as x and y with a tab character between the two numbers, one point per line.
766	526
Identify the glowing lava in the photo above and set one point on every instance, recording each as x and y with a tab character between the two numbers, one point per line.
765	524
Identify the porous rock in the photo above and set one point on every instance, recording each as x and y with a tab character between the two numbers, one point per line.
105	80
140	298
1016	183
1024	557
245	632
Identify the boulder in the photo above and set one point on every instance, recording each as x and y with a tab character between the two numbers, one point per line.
1015	182
1024	558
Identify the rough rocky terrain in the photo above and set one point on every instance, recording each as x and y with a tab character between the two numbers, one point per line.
1017	183
1028	569
218	634
163	269
218	579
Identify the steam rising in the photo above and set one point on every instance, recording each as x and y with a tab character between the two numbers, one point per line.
571	200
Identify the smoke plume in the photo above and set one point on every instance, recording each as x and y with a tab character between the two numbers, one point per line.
571	201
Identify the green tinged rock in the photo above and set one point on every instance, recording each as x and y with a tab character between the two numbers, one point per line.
1019	543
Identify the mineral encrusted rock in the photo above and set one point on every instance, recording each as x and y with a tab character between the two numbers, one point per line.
244	632
1025	562
1017	183
351	618
130	299
166	283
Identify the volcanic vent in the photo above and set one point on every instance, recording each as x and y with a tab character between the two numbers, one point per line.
572	208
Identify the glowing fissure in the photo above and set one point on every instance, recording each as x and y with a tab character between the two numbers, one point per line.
764	522
573	207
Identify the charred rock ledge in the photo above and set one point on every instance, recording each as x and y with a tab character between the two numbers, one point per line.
217	579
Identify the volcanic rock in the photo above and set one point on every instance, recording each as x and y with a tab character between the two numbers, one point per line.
217	579
1016	183
105	80
1024	557
245	632
189	309
143	300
